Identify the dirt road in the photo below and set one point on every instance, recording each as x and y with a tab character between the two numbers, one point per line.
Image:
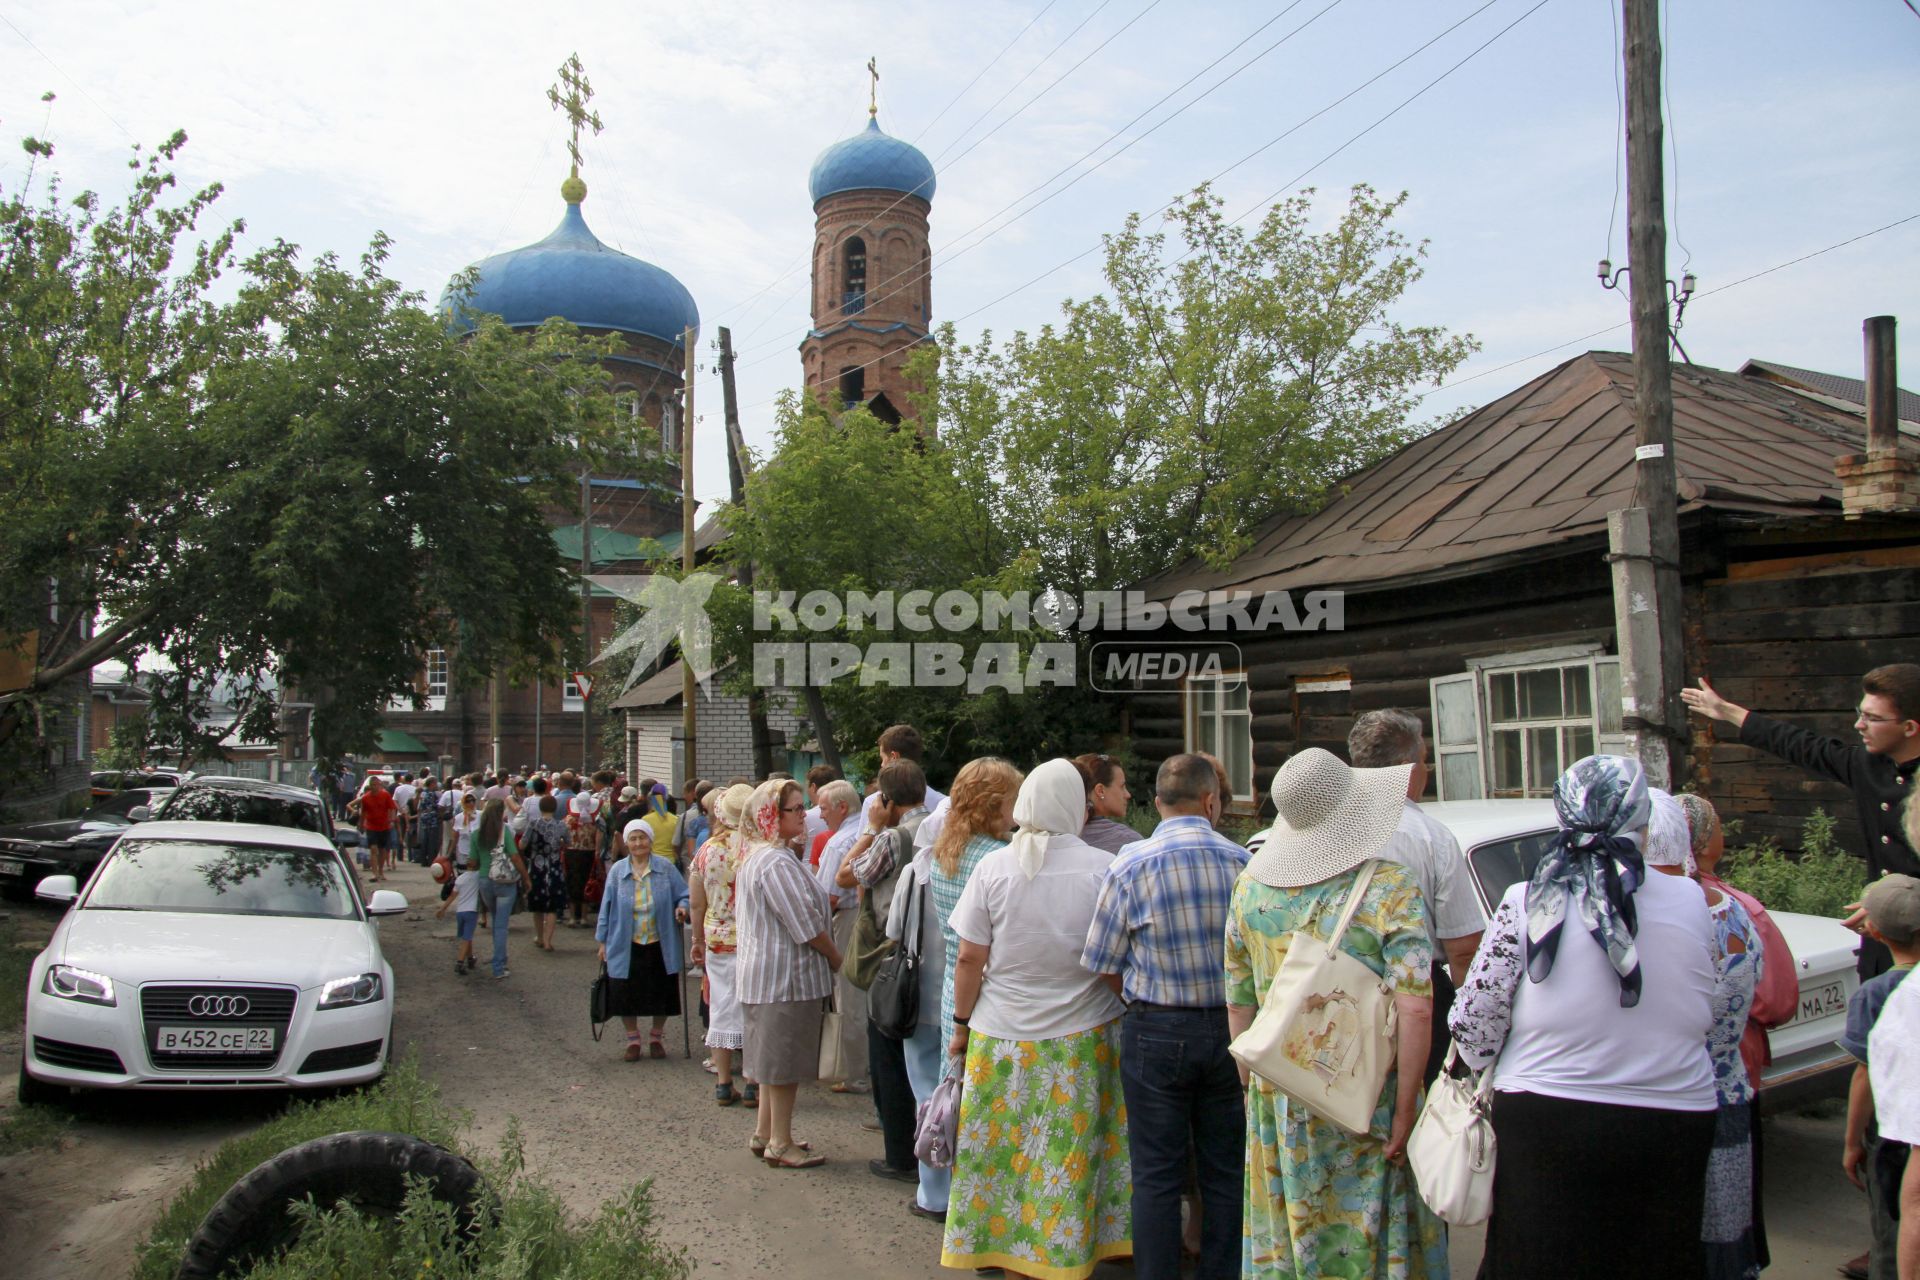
592	1124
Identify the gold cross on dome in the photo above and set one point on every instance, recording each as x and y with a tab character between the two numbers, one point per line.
873	90
573	105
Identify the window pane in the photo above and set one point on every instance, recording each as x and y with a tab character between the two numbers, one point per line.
1460	775
1453	714
1500	695
1579	699
1235	693
1607	710
1207	737
1206	697
1239	757
1543	759
1540	694
1506	762
1577	744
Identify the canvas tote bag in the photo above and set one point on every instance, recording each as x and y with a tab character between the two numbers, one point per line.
1324	1033
833	1052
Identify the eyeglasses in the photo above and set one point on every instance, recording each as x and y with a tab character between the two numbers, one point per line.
793	808
1870	718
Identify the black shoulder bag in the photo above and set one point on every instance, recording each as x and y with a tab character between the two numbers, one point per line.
598	999
893	1001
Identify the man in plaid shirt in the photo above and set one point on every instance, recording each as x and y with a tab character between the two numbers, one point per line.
1158	934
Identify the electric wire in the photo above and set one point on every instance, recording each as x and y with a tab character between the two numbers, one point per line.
991	63
1616	55
1672	134
1008	92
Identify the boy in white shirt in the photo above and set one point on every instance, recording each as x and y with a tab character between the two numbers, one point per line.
465	901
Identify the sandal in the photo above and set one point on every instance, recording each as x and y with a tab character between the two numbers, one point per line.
787	1157
758	1145
750	1096
724	1094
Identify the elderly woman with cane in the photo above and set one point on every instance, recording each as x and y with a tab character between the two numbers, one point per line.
1041	1180
641	912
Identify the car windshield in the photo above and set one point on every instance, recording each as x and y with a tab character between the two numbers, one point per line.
222	879
211	804
116	805
1500	864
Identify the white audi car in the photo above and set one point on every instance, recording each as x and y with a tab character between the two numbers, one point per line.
210	955
1503	841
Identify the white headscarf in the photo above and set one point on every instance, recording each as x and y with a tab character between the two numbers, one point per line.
1052	802
1669	840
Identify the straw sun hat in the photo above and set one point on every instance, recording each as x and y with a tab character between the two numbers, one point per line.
1331	818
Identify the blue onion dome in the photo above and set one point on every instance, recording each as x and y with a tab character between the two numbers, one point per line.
872	161
572	275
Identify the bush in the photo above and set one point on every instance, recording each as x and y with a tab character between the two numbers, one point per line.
1822	881
401	1103
532	1237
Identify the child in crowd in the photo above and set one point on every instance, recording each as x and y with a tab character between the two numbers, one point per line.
1876	1164
465	902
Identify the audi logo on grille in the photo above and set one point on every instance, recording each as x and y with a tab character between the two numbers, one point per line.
219	1006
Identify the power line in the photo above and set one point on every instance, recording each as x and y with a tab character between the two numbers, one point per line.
1781	266
70	80
993	62
1095	248
1044	59
917	270
1672	134
1619	122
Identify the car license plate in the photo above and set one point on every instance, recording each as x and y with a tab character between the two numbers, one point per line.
8	867
213	1039
1820	1002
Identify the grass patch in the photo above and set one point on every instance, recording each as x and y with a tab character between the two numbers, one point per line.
533	1236
15	961
403	1102
1823	880
24	1128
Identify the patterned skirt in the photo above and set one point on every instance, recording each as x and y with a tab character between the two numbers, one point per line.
1041	1180
1727	1226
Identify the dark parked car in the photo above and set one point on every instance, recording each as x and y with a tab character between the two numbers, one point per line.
31	851
222	799
115	780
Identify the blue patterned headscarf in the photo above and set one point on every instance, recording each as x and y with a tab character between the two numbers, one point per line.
1593	867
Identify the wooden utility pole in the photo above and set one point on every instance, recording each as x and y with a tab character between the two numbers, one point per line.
688	709
1645	537
737	490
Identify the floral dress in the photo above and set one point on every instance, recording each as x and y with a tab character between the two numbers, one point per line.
1321	1202
546	865
1739	953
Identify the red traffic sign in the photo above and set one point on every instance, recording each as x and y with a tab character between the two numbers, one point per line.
583	682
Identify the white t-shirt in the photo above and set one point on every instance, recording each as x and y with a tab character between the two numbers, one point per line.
463	822
1570	1037
401	795
1428	849
1035	988
466	891
930	829
1893	1065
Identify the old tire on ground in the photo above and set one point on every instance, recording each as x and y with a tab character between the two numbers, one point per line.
254	1219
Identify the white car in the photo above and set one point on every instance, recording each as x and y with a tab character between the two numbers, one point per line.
1503	841
210	955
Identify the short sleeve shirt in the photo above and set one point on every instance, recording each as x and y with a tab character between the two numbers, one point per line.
376	810
1894	1068
1863	1010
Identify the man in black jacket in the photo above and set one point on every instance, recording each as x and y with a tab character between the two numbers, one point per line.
1878	768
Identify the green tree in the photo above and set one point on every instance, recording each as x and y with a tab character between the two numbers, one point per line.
1200	395
303	485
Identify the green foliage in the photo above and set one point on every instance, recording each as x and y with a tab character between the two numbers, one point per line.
25	1128
533	1236
126	744
299	483
402	1102
1823	880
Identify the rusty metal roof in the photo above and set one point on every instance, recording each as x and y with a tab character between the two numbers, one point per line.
1832	385
1539	467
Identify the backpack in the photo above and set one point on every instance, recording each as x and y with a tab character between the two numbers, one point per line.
871	945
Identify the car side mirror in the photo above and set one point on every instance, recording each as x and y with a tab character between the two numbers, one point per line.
139	813
62	889
387	902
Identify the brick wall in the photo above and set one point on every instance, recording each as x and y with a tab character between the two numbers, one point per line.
723	748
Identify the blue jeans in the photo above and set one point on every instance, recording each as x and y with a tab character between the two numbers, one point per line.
1183	1095
926	1064
499	901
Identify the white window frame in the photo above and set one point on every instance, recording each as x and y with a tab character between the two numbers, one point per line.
570	699
437	689
1603	674
670	429
1223	719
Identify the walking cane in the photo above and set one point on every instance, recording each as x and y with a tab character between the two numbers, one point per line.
686	1034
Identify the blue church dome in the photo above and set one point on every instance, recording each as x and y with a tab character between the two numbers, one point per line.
872	160
572	275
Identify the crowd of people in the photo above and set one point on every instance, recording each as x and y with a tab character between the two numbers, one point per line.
1083	972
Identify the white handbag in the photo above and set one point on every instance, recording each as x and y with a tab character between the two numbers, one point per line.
1451	1148
1324	1033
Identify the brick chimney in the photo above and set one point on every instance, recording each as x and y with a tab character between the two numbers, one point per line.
1883	480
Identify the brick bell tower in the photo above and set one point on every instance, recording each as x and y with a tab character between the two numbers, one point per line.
872	281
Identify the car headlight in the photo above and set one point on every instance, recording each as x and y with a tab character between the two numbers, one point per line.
344	992
69	983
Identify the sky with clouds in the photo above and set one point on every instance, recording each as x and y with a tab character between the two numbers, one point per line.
1792	127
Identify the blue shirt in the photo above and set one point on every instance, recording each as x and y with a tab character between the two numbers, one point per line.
1863	1010
1162	915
